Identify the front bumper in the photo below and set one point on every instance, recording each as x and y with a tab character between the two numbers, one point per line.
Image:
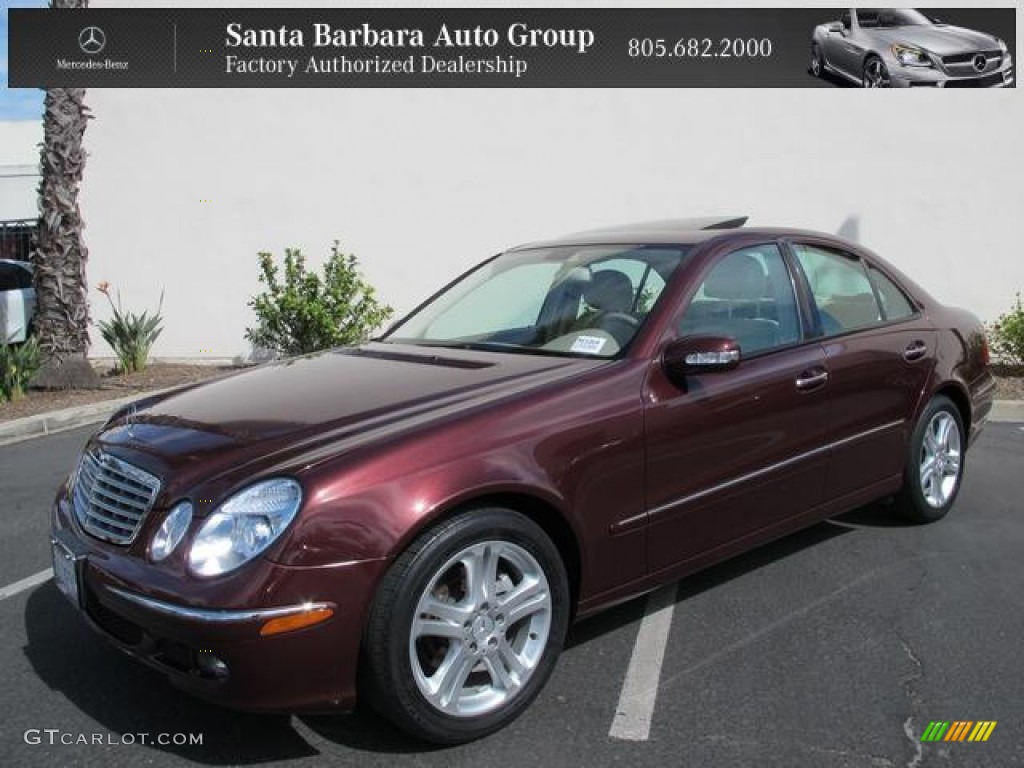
209	644
939	77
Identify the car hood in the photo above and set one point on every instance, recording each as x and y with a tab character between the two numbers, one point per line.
941	40
299	405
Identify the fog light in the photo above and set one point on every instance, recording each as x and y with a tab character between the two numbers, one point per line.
210	666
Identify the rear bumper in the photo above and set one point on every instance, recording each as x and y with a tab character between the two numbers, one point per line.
982	394
215	650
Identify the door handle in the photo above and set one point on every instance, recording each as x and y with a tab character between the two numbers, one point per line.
811	379
915	351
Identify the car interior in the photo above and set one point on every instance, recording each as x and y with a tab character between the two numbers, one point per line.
740	299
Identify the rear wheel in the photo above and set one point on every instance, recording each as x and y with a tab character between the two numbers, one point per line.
467	626
935	464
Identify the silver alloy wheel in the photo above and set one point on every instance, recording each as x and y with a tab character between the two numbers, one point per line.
480	628
875	74
939	470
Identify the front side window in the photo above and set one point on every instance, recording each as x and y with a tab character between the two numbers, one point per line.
749	297
570	300
840	287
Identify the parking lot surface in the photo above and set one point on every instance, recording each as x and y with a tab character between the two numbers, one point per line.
836	646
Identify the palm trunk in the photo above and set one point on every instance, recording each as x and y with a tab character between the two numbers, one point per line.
62	312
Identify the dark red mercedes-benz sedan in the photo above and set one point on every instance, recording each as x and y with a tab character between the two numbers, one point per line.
570	424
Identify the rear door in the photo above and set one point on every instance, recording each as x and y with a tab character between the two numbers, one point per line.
879	352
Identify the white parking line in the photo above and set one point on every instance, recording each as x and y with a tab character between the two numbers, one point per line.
27	583
635	711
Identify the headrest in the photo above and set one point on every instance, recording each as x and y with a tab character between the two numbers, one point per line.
739	276
609	291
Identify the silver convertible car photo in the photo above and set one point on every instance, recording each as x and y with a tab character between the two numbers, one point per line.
901	48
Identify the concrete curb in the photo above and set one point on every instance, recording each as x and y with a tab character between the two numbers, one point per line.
1007	410
44	424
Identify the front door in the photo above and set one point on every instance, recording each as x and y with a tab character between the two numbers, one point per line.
740	451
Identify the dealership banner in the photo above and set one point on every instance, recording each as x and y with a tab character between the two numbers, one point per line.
512	48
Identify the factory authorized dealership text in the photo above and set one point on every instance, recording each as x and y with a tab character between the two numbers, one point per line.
55	736
377	65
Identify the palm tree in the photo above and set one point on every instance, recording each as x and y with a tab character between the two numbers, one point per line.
59	254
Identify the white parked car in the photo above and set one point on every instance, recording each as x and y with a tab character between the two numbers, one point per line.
17	300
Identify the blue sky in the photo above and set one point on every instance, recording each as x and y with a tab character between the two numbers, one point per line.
17	103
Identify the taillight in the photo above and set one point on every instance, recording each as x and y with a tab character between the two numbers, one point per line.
985	357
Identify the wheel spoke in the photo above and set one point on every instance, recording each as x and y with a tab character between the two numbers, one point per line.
451	613
505	668
927	471
942	430
451	676
526	599
437	628
481	566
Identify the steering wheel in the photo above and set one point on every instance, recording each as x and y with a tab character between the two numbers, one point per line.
620	325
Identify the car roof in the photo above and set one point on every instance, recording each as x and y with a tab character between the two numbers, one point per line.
688	231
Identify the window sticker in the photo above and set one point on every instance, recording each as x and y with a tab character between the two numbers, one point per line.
590	345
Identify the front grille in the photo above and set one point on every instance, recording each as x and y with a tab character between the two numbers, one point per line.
111	497
964	58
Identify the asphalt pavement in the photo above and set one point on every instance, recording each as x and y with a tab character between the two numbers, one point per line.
833	647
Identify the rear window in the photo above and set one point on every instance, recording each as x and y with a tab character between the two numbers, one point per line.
895	304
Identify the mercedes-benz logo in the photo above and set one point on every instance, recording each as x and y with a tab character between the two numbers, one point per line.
92	40
129	420
980	62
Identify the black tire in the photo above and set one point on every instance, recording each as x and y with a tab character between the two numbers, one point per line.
817	61
875	74
913	502
390	684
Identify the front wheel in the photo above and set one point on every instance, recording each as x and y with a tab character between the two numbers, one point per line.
875	74
467	626
935	464
817	61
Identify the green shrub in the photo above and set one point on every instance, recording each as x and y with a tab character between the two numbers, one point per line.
1006	335
131	336
18	364
300	312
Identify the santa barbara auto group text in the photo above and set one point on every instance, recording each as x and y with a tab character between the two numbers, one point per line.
518	35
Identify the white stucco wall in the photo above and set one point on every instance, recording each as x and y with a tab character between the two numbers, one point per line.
19	169
421	184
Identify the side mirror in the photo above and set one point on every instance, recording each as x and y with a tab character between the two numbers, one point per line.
836	27
699	354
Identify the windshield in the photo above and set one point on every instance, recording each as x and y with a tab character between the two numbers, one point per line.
586	301
891	17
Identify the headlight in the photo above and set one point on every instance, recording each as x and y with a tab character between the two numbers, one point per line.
244	526
909	56
171	531
1002	45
